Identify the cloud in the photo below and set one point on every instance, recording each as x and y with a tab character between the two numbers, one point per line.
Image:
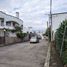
33	11
59	5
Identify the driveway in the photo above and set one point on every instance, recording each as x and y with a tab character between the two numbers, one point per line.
24	54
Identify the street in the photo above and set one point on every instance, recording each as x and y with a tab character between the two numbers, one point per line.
24	55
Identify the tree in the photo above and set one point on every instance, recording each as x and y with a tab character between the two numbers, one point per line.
19	32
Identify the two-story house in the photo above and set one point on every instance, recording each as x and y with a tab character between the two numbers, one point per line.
9	22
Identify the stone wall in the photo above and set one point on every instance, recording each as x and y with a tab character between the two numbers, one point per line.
11	40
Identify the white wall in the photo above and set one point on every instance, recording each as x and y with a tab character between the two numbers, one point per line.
57	19
1	33
7	34
12	34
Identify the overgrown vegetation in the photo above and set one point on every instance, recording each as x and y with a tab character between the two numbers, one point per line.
21	35
48	33
18	31
61	36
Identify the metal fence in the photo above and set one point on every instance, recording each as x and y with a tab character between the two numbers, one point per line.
61	41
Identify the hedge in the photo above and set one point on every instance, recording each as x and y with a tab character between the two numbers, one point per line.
59	39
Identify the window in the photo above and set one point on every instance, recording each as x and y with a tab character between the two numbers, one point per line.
8	23
22	26
2	23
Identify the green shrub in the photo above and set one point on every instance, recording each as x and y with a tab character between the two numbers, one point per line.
17	28
48	33
59	40
64	57
21	35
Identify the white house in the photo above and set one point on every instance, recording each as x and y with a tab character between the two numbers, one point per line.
9	22
57	19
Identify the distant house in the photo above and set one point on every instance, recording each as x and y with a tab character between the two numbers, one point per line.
57	19
9	22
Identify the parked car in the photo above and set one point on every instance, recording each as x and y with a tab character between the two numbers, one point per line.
34	40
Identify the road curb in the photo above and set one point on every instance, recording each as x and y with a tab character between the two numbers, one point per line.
46	64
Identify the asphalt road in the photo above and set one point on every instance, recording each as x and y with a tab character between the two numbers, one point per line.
24	55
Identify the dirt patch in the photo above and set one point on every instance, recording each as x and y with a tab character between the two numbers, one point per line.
55	60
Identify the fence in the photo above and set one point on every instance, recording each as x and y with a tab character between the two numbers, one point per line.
61	41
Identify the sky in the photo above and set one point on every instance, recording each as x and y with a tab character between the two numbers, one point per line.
33	12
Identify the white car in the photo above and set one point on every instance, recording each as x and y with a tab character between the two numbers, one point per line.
34	40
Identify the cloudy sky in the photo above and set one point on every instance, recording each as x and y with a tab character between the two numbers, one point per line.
33	12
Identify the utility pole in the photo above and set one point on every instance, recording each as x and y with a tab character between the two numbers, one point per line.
47	24
50	18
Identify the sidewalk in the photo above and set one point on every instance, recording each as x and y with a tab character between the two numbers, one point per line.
47	61
54	58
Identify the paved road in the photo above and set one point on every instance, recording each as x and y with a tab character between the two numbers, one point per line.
23	55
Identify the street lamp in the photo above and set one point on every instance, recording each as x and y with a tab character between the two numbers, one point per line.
4	35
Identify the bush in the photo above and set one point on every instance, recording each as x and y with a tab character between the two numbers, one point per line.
17	28
64	57
48	33
21	35
59	40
